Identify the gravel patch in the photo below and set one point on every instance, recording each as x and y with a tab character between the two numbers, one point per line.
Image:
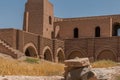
107	73
104	73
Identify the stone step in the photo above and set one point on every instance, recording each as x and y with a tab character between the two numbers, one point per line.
10	48
4	44
1	42
7	46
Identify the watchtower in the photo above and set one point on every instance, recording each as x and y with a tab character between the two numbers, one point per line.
38	17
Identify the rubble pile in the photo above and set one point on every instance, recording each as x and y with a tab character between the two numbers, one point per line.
79	69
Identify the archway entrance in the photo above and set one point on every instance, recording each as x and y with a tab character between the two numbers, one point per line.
61	56
106	55
30	52
47	55
116	29
75	54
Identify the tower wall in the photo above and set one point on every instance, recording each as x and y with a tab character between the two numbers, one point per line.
38	17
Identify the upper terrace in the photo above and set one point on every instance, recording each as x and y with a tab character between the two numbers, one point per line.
57	19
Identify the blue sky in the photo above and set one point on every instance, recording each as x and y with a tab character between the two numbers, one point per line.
11	11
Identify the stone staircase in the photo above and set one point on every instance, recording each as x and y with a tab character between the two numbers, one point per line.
15	53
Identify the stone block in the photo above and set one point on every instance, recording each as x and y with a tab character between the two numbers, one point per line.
79	69
77	62
81	74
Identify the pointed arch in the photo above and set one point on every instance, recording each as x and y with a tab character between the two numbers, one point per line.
30	50
75	54
106	55
60	55
47	52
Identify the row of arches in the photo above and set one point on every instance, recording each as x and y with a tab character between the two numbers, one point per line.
115	31
102	55
31	51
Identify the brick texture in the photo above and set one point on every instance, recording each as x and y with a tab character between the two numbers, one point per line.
45	34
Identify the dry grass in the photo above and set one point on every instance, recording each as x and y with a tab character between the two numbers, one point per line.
42	68
35	67
104	64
